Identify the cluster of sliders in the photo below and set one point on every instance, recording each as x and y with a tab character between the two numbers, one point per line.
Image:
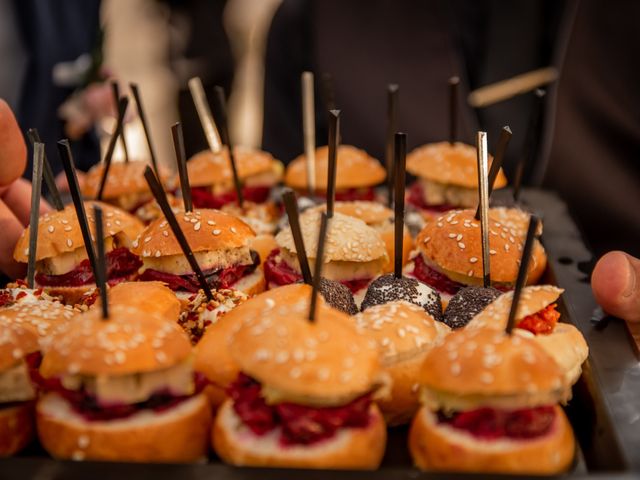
200	329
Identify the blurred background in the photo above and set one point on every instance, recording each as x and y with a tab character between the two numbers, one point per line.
581	139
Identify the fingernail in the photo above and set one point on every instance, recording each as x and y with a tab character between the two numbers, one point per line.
631	279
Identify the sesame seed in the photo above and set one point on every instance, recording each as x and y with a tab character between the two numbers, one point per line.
17	353
473	260
455	369
120	357
345	377
50	228
492	252
295	372
217	232
158	253
161	356
83	441
459	237
486	378
211	222
323	373
262	354
461	245
196	226
452	235
147	239
135	243
233	230
426	240
69	242
470	273
281	357
164	233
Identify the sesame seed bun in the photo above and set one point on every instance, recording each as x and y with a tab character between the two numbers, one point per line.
517	220
354	168
348	239
128	342
481	367
449	164
17	428
453	244
566	346
404	334
41	317
324	363
59	231
380	218
532	300
16	341
149	297
436	446
175	435
124	178
213	357
204	229
349	448
208	168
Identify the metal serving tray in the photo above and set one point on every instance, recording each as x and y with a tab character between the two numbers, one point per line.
604	411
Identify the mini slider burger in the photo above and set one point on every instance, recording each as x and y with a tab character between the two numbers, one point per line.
448	254
304	397
220	243
62	266
122	389
447	178
125	186
213	356
357	174
380	218
537	318
404	333
490	405
355	253
18	351
211	177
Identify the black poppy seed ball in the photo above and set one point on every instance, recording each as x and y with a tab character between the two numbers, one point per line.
338	296
467	303
388	288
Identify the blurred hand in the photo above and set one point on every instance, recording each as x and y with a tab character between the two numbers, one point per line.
616	285
15	192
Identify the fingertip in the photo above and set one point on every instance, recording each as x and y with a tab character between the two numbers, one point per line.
611	280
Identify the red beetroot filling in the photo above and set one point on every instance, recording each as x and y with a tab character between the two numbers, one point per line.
367	194
221	278
203	198
300	424
121	264
91	409
440	281
542	322
492	424
281	273
416	198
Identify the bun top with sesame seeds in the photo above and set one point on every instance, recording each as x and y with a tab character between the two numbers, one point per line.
59	232
532	299
452	243
130	341
349	239
449	164
37	312
16	341
124	178
481	367
354	168
401	329
213	356
514	218
208	168
204	229
321	363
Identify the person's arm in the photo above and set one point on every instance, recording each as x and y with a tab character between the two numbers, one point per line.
616	285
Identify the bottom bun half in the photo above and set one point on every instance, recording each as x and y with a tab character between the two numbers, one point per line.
440	447
179	434
403	401
16	428
352	448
